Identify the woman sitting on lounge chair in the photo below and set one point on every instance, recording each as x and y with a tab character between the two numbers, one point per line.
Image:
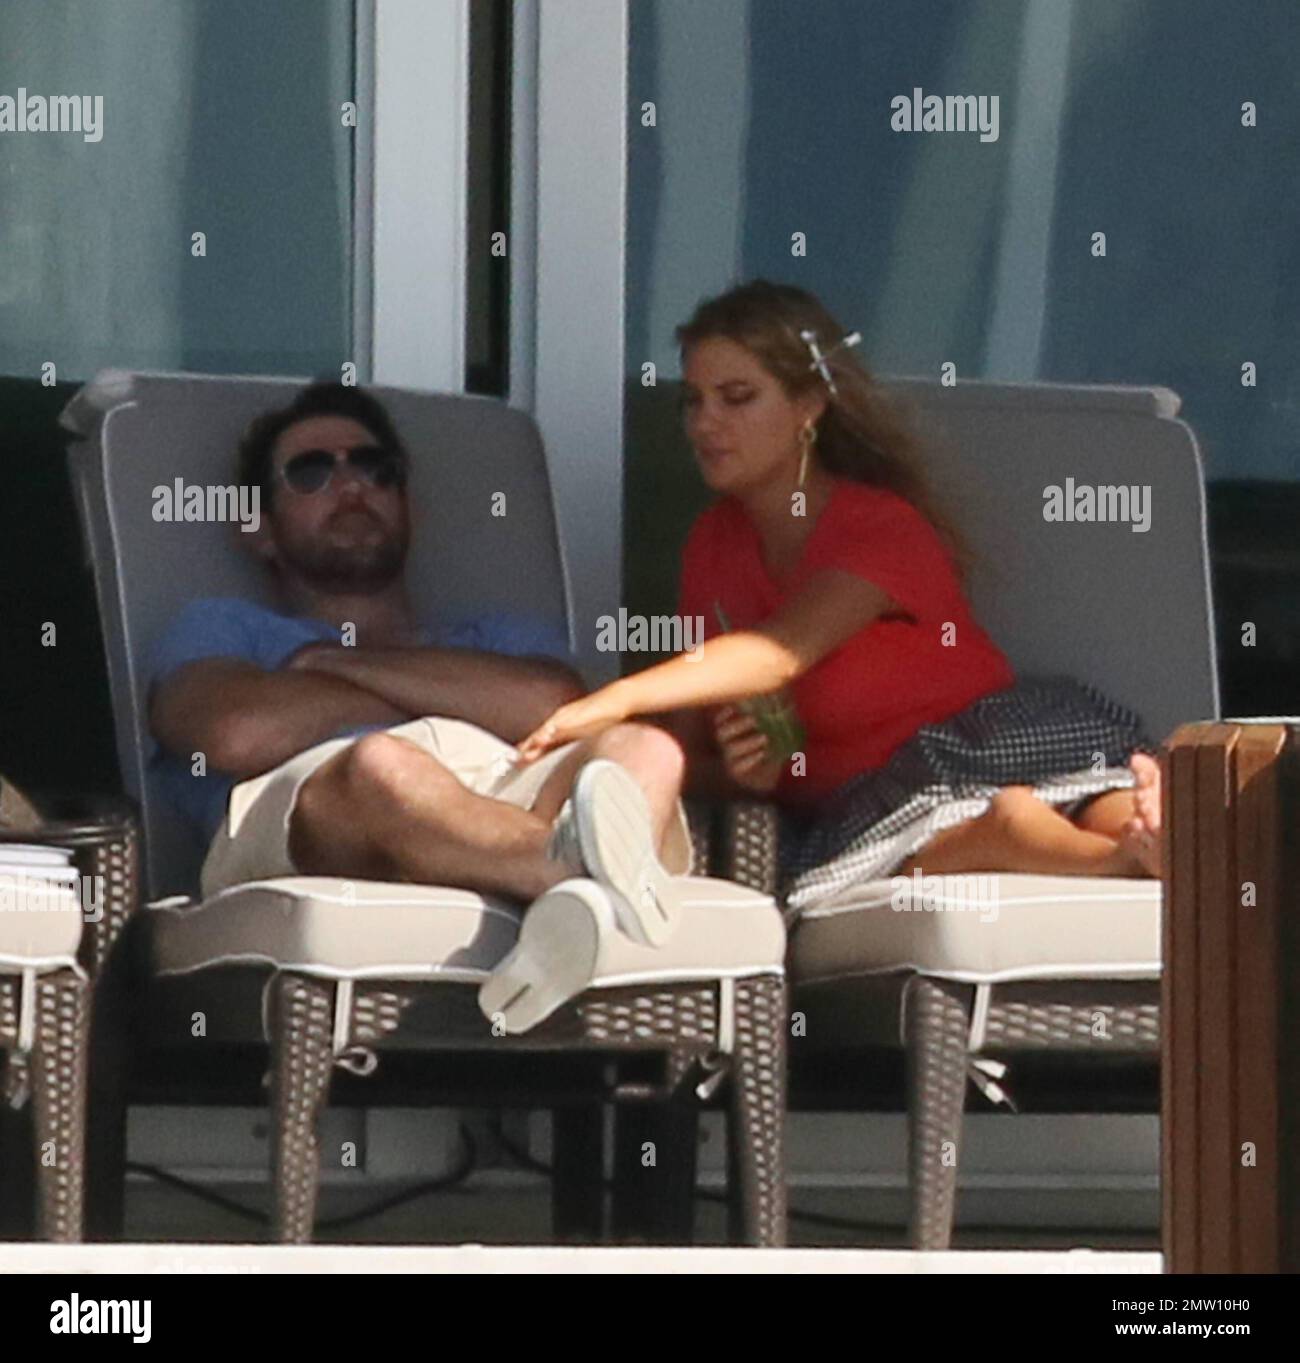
843	673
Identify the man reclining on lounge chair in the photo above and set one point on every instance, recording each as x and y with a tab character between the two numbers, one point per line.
341	737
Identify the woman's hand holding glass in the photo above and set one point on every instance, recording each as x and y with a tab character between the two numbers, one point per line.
746	750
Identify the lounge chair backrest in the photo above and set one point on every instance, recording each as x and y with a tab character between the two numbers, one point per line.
472	549
1127	609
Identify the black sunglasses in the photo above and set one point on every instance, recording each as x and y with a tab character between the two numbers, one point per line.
313	470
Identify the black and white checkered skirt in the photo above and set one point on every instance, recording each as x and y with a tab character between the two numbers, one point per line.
1059	736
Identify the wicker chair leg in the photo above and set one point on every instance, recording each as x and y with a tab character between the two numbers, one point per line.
758	1101
112	1052
17	1171
937	1033
301	1065
59	1080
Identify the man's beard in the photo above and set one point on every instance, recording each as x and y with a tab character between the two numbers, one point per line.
359	569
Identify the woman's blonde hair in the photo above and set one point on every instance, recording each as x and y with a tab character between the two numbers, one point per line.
861	434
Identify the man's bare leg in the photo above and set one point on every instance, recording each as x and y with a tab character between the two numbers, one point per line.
650	754
385	809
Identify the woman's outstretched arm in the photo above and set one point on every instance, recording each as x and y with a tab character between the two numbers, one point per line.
828	610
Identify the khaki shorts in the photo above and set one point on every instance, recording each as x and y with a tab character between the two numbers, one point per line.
253	840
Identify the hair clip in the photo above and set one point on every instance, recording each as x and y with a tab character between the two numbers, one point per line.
819	359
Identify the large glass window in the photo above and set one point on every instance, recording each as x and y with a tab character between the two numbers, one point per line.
222	118
1168	125
219	117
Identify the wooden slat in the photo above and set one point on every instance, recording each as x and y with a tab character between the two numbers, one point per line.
1179	1196
1287	927
1231	1000
1255	1115
1214	1005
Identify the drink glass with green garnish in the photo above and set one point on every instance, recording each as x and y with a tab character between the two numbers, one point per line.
774	714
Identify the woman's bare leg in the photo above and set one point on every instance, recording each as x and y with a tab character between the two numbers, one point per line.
1020	833
1108	814
1131	817
1142	835
1117	834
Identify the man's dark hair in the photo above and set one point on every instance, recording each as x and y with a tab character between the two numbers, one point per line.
323	398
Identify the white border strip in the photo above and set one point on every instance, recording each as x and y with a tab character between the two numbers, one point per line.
523	205
581	195
475	1258
363	185
1015	335
420	82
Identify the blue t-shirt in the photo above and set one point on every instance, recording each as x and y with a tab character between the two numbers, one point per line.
225	627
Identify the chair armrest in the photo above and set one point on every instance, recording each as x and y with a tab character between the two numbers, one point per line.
700	818
104	840
747	845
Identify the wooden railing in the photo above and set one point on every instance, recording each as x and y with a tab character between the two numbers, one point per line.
1230	1006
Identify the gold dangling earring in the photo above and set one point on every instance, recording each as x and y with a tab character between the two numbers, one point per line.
807	439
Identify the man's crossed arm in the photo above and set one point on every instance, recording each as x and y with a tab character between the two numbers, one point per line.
246	720
488	689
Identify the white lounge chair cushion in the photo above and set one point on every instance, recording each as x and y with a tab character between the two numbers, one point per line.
1023	928
361	929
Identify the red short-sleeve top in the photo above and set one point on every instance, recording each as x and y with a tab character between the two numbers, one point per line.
903	671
